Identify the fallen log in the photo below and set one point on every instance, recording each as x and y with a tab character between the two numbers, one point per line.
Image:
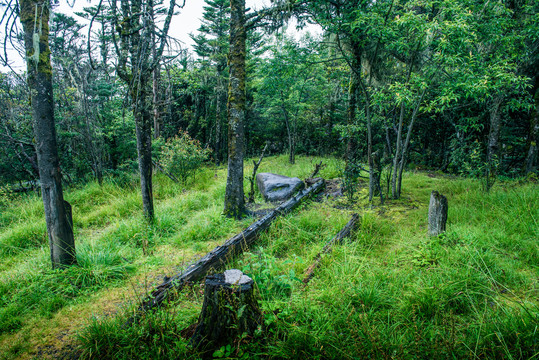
344	233
218	256
169	175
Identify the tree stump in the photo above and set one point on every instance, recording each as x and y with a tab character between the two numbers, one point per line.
230	309
437	213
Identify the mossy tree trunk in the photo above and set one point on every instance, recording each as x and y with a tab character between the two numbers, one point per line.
35	19
234	196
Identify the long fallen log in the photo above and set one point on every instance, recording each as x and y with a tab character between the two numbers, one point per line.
344	233
218	256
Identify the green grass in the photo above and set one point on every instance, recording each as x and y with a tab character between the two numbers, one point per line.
389	292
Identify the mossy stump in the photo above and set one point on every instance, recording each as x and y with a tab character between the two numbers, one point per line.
230	309
437	213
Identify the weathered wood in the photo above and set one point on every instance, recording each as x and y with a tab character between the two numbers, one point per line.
437	213
345	232
317	168
230	309
218	256
170	176
253	177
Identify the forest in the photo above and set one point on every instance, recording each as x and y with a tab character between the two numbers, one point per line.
128	180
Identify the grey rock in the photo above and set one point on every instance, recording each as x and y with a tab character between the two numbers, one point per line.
236	277
275	187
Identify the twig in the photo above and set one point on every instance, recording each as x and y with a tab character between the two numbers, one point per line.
252	178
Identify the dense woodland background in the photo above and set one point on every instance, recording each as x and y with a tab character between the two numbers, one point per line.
459	76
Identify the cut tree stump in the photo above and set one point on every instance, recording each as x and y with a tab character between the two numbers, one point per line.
344	233
230	309
218	256
437	213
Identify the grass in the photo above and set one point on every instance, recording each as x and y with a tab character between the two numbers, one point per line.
390	292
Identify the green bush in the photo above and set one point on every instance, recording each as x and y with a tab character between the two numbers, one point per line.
182	156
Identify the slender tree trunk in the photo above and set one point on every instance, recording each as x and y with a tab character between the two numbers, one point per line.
531	159
143	125
35	19
351	143
289	132
218	127
406	145
398	144
493	156
234	196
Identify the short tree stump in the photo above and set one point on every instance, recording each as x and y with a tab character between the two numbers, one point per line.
230	309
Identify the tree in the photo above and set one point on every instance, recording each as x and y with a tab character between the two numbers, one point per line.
34	16
211	43
234	196
133	41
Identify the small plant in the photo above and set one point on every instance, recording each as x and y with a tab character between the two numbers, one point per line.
182	156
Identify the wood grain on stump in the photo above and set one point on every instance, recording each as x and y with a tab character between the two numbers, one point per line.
230	309
437	213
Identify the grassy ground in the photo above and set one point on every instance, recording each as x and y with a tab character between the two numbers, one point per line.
390	292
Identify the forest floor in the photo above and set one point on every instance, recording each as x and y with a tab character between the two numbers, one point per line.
390	292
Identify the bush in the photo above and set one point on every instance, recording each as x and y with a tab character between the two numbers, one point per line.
182	156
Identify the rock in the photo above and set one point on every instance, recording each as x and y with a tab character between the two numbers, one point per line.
275	187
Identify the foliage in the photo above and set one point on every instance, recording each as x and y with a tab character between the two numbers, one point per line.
183	156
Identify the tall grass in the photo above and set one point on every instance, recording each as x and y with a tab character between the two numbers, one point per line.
389	292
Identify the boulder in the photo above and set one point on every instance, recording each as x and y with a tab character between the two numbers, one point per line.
275	187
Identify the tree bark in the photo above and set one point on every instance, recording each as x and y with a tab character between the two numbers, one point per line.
143	122
230	309
35	20
234	195
437	213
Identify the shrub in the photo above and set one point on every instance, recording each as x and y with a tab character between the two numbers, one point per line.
182	156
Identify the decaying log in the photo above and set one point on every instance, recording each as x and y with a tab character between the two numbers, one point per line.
253	177
437	213
230	309
169	175
218	256
344	233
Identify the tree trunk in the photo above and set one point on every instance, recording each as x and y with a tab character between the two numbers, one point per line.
234	196
143	125
35	19
437	213
398	144
230	309
405	147
493	156
531	159
351	143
